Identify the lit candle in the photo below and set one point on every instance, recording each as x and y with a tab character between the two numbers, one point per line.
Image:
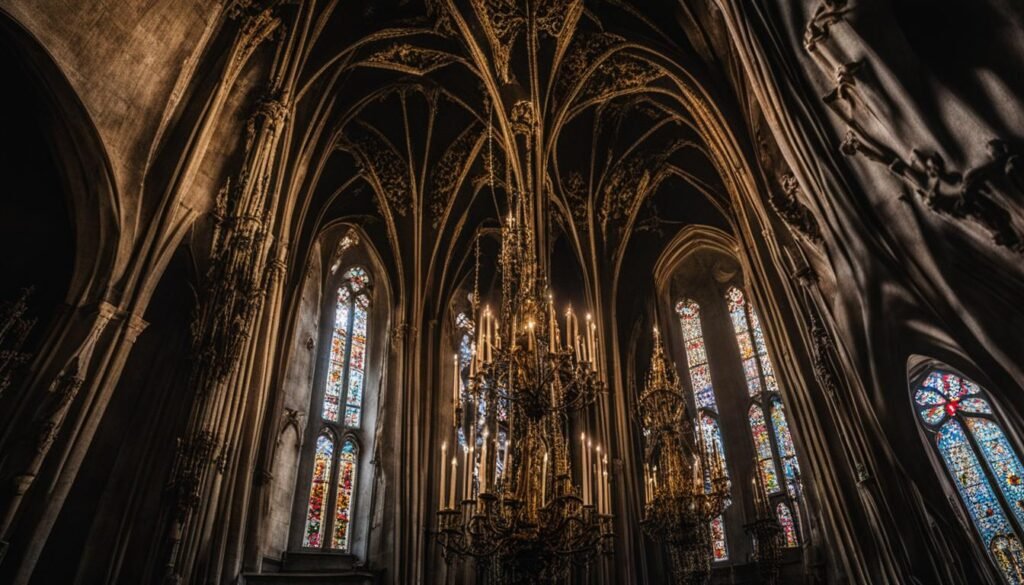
551	324
597	480
590	471
568	325
604	487
455	381
544	480
465	473
471	492
451	487
589	345
593	346
444	470
483	465
586	467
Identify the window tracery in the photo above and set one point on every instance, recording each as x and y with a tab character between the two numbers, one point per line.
707	406
332	493
763	391
984	466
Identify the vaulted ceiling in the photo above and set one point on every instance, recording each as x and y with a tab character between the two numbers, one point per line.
410	118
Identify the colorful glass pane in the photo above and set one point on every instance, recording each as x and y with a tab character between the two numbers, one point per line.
746	346
357	278
336	365
975	491
343	506
356	367
689	316
975	406
933	415
696	355
1002	461
788	527
1009	557
784	442
763	448
695	348
926	397
315	526
713	441
718	544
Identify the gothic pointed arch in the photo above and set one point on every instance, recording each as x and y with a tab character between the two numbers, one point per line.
980	461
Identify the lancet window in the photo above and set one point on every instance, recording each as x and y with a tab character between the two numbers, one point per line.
773	448
688	312
982	463
332	492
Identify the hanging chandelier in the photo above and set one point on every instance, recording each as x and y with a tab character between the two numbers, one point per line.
685	485
521	498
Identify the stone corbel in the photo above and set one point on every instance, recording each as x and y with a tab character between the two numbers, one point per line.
796	215
828	13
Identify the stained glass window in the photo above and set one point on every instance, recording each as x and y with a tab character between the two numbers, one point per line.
784	440
718	544
763	387
757	368
696	355
339	344
341	408
356	363
466	330
347	368
315	525
788	527
763	448
346	484
983	464
704	397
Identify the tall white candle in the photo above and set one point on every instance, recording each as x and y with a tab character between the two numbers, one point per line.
455	381
590	470
451	486
465	473
544	480
604	490
597	480
444	471
568	326
483	465
586	467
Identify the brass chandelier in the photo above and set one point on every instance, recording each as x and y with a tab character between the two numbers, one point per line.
522	499
685	485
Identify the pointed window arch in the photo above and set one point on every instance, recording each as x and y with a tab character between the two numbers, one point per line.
763	392
688	312
981	462
788	528
347	370
347	462
333	486
318	492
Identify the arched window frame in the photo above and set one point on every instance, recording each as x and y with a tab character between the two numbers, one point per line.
996	522
336	424
769	426
698	367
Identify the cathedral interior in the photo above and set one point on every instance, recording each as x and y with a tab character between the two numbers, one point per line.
512	291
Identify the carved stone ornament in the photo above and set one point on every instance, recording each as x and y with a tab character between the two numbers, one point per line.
383	165
523	118
408	58
796	215
828	13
